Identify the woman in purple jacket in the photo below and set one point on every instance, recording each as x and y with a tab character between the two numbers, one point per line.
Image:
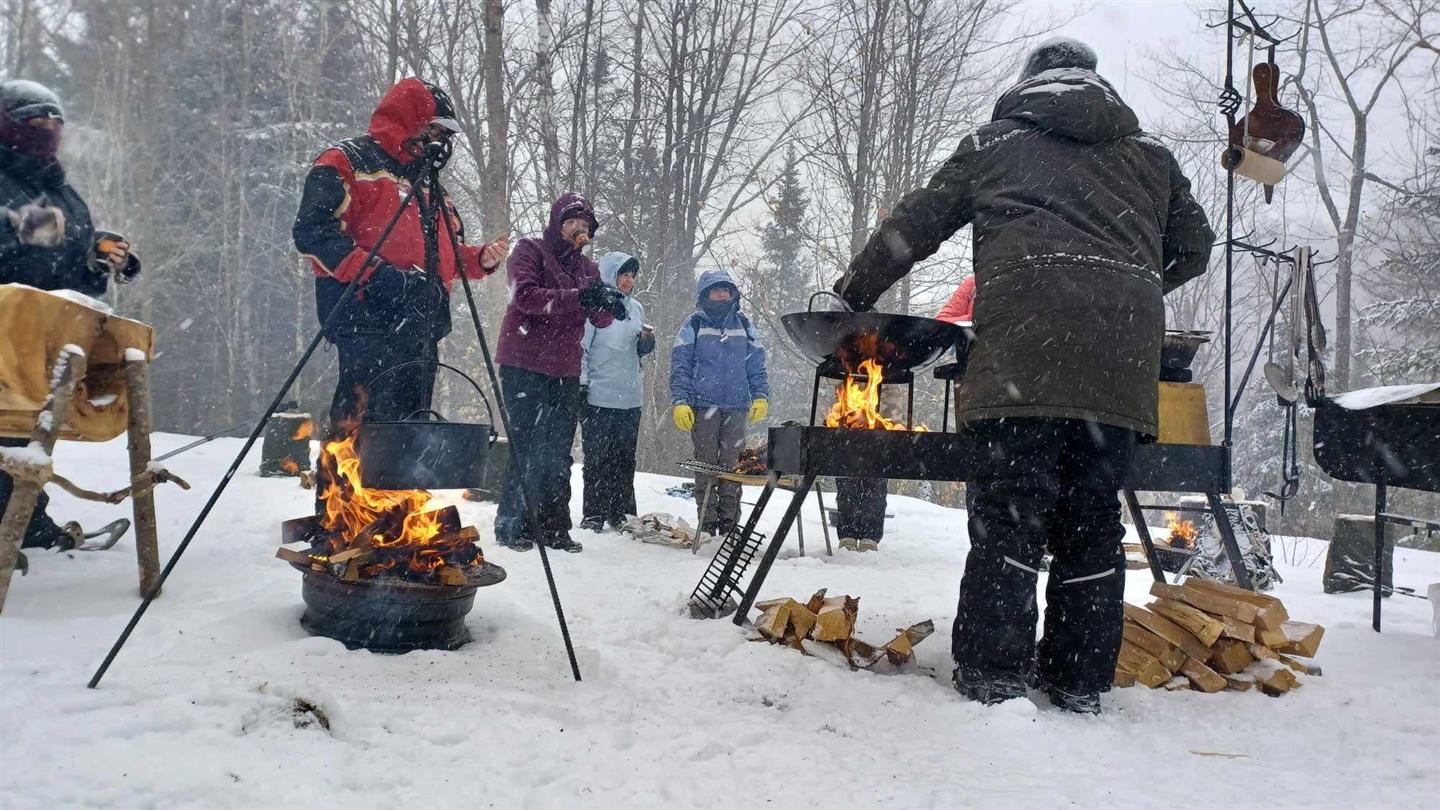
554	289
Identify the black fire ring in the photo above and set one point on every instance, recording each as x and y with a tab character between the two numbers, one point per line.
391	616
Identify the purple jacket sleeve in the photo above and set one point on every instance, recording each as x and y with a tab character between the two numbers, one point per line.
527	289
600	318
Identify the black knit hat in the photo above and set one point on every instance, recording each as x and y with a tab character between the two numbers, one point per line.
1059	52
444	108
22	100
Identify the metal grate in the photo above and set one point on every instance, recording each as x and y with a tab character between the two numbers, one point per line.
719	588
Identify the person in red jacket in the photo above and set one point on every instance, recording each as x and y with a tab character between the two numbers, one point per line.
554	290
961	306
402	308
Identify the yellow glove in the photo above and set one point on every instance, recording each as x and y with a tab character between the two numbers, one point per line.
684	417
758	410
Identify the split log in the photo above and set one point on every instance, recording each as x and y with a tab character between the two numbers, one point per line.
1177	683
1271	638
1240	682
1123	679
774	618
1271	613
1301	639
361	553
1163	651
902	647
452	575
1261	652
1199	623
1205	679
1142	665
1296	664
1274	678
1168	630
1207	601
293	556
469	534
1238	630
1230	657
835	621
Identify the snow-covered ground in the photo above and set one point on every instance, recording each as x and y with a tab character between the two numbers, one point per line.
673	712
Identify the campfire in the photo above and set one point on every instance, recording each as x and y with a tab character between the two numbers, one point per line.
857	402
1182	532
370	533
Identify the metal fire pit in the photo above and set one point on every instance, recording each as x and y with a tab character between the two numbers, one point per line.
387	614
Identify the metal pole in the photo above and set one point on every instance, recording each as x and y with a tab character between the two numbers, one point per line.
1229	246
532	514
345	297
1379	552
1143	530
792	511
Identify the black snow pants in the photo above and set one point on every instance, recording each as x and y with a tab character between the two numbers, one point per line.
543	413
608	436
1042	482
860	508
41	532
395	395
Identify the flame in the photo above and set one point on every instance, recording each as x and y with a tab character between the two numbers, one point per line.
1182	532
356	516
303	431
857	402
290	466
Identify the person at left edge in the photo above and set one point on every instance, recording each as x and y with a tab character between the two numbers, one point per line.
402	308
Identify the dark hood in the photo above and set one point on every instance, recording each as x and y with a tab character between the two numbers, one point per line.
406	108
1070	102
568	206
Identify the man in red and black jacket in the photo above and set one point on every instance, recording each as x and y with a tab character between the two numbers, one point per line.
402	308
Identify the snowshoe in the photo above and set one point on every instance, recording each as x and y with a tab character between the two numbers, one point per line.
101	539
989	689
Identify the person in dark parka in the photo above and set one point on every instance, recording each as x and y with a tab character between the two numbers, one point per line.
47	240
1081	224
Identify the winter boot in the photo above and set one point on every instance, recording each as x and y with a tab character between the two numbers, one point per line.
866	544
617	523
849	544
988	689
593	524
515	543
562	542
1088	703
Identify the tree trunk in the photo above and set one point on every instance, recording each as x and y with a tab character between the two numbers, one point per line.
544	76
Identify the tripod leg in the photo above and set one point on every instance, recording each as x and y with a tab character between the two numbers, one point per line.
345	298
1228	539
1143	529
792	511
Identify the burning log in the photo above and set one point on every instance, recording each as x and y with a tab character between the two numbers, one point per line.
857	401
1182	532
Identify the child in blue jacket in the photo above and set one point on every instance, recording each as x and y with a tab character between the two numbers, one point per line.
717	385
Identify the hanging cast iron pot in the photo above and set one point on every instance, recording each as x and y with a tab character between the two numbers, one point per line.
423	451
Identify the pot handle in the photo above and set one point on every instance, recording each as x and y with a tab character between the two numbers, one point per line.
810	306
490	412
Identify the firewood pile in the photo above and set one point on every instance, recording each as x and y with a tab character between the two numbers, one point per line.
661	529
825	628
450	558
1210	636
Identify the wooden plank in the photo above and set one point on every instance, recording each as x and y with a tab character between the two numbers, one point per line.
1229	656
1205	679
1163	651
1146	669
1204	600
1301	639
1199	623
1168	630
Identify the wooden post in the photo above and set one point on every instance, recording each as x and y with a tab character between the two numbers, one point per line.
147	549
69	369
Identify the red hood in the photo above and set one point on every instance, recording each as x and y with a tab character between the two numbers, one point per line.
405	110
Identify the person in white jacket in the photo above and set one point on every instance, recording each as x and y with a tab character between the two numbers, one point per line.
610	377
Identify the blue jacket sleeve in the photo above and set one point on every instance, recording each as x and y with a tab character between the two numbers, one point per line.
682	366
755	364
585	343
